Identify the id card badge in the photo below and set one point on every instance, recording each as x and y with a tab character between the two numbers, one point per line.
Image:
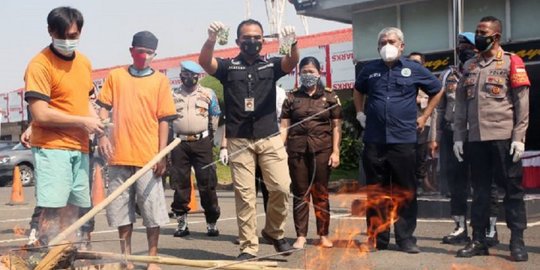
249	104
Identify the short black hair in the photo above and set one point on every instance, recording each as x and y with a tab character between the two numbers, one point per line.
495	21
61	18
422	56
247	22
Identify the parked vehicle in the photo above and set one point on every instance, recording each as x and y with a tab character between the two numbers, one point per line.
17	155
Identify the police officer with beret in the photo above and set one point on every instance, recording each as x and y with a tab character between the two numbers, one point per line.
454	173
198	115
492	100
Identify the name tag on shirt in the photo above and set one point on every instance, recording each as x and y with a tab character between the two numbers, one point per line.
249	104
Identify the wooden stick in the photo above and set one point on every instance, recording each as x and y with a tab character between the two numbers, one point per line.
94	211
223	264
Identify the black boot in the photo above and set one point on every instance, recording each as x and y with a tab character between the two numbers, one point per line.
459	235
517	247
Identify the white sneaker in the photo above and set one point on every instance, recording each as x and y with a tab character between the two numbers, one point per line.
33	236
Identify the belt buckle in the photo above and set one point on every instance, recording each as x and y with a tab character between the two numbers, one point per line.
191	138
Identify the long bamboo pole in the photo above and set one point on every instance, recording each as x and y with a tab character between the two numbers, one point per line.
94	211
222	264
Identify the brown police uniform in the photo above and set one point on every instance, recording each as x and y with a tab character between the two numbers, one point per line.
198	115
492	110
309	145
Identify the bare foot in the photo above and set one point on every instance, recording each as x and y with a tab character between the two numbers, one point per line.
128	266
153	266
300	242
325	242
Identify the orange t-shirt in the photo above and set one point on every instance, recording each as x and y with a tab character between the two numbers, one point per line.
138	105
66	84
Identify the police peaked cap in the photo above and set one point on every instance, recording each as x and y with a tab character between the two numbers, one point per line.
191	66
145	39
466	37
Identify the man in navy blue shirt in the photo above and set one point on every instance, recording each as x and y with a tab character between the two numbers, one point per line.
387	89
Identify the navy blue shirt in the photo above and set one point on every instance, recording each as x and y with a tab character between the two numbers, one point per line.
390	106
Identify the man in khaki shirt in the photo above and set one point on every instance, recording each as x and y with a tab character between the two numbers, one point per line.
492	100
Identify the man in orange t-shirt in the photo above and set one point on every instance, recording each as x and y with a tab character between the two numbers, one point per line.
142	104
58	86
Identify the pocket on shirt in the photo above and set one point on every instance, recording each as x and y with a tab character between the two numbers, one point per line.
494	87
201	107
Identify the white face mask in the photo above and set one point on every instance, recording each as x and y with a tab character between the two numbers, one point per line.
389	53
66	47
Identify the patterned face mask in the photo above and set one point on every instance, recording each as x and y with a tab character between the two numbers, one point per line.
309	80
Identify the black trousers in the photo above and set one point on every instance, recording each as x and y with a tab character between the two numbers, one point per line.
310	174
457	174
392	166
490	161
197	154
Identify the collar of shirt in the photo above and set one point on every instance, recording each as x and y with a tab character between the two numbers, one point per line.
486	62
183	90
318	92
140	73
240	58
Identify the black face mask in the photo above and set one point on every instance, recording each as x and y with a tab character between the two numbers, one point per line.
251	47
466	55
189	81
484	43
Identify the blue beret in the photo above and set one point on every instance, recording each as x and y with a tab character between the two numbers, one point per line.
145	39
191	66
466	37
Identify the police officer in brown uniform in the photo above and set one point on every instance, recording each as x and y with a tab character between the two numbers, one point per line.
198	115
314	115
492	100
454	173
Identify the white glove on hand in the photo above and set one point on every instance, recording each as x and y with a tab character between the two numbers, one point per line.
224	156
288	32
517	149
213	29
361	117
458	150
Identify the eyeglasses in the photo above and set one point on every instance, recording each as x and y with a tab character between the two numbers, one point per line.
144	50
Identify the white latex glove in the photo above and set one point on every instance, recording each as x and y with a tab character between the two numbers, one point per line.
361	117
458	150
224	156
517	149
214	28
288	32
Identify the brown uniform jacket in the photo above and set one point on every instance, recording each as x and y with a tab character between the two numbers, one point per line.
492	99
311	119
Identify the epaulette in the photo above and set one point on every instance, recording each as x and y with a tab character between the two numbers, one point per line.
328	89
294	90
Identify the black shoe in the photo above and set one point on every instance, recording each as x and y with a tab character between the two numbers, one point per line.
181	233
280	245
459	238
245	256
409	247
474	248
492	241
517	249
212	230
379	245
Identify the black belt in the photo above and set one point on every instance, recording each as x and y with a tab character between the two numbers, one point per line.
193	137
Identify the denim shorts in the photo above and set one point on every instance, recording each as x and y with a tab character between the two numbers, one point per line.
61	177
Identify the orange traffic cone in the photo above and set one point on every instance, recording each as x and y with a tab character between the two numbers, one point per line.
17	192
98	188
193	204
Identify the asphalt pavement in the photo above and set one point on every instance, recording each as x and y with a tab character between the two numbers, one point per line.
347	233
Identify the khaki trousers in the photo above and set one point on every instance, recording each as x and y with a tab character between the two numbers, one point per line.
270	155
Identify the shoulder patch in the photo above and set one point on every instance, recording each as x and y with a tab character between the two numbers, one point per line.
518	74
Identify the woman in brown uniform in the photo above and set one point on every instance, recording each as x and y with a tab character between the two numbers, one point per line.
311	127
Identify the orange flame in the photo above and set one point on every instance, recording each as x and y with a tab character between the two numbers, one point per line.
384	204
